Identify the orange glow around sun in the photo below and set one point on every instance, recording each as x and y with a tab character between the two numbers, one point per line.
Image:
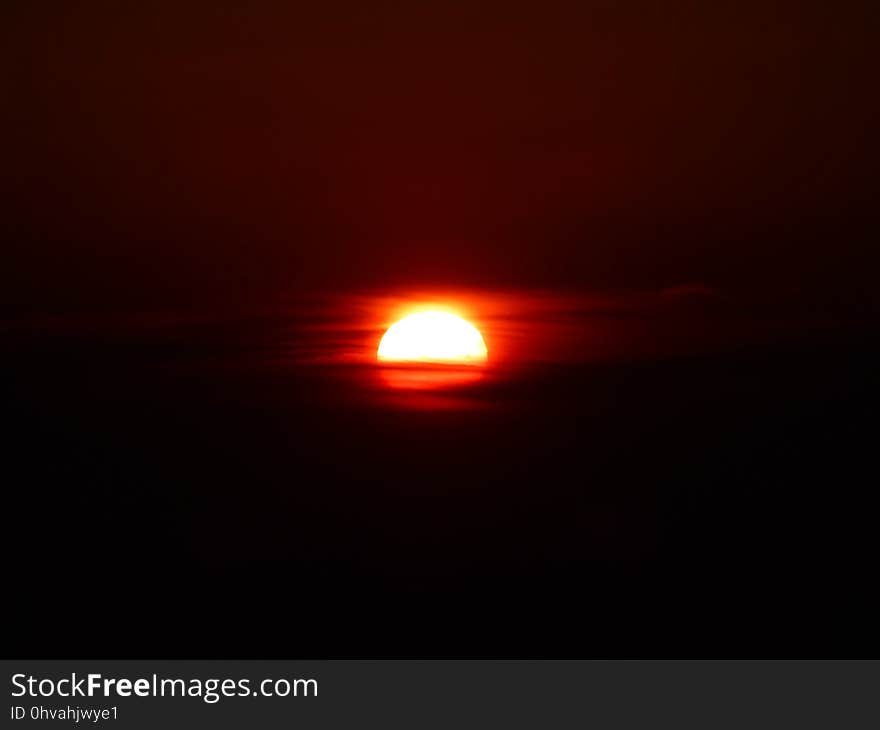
433	337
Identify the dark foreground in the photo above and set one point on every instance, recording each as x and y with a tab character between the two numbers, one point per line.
169	498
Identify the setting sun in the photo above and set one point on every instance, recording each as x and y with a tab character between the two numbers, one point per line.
433	337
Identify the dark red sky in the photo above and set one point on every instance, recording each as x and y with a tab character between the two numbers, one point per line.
167	152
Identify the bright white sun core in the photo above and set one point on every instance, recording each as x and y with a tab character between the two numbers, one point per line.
433	337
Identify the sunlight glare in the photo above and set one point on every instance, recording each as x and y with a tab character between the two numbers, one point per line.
433	337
